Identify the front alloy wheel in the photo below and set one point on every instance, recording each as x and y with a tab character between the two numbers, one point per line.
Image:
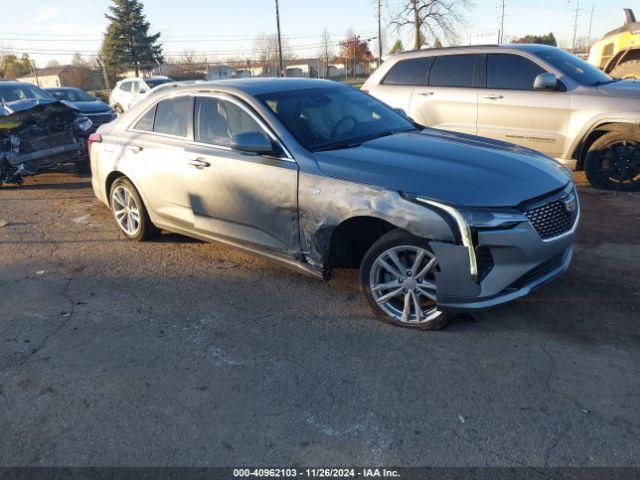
398	277
613	162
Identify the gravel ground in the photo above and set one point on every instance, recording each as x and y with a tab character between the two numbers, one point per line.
177	352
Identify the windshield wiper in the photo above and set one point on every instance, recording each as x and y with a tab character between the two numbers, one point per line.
337	146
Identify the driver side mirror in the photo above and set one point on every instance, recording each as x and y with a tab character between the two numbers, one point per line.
401	112
546	81
252	142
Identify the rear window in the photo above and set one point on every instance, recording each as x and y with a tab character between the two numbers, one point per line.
172	116
511	72
145	124
409	72
453	71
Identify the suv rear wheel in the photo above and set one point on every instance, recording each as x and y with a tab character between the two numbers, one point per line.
397	276
613	162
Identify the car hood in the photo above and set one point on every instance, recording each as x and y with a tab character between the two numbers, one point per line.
9	108
451	167
621	88
91	107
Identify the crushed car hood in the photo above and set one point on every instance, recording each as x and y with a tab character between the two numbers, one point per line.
621	88
450	167
17	112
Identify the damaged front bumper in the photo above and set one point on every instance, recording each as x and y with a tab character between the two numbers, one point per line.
520	262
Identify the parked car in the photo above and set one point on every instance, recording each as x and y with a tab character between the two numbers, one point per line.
38	132
96	110
536	96
130	91
319	175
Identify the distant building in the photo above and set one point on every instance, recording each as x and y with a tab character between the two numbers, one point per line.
220	72
64	76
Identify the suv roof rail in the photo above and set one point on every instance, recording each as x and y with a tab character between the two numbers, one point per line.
450	48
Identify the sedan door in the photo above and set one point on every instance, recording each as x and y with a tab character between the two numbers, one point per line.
237	195
450	100
509	108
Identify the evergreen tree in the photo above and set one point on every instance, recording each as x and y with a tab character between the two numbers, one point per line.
127	41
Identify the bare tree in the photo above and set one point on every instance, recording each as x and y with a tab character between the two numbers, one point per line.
326	51
265	49
431	19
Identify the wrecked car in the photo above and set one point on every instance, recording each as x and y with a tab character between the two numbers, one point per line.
38	132
319	175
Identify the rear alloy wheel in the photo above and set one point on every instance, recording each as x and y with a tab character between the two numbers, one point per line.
627	70
613	162
129	211
398	277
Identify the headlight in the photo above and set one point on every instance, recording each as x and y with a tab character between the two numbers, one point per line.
463	227
84	124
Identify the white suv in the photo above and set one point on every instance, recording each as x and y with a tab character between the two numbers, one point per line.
126	93
536	96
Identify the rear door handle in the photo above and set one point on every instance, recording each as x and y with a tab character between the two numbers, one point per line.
199	163
425	94
134	148
493	96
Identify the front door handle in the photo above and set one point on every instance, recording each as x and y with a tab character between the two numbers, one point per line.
199	163
493	96
134	148
425	94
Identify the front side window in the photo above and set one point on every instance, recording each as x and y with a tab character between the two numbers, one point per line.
511	72
139	87
333	117
172	116
217	121
453	71
409	72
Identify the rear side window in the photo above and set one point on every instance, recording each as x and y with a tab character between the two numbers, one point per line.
145	124
511	72
172	116
453	71
409	72
125	86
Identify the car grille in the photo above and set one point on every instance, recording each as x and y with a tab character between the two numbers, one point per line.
538	271
554	218
45	142
99	118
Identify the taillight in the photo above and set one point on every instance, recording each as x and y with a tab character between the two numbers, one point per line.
93	138
364	90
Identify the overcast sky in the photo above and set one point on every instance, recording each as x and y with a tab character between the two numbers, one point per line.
53	29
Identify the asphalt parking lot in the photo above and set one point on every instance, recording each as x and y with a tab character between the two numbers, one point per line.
177	352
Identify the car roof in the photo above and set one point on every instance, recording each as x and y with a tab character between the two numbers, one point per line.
526	47
62	88
14	82
257	86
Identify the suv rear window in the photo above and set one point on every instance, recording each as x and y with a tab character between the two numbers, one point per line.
511	72
453	71
172	116
409	72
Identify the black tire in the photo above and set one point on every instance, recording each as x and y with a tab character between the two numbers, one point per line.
83	167
146	228
396	238
613	162
629	69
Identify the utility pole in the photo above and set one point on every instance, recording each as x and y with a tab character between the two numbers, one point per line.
104	75
575	28
593	7
379	33
280	60
501	35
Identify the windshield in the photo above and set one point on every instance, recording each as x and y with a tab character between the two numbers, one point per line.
154	82
14	93
71	95
574	67
333	117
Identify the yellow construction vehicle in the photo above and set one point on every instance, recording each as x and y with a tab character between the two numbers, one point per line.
618	52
